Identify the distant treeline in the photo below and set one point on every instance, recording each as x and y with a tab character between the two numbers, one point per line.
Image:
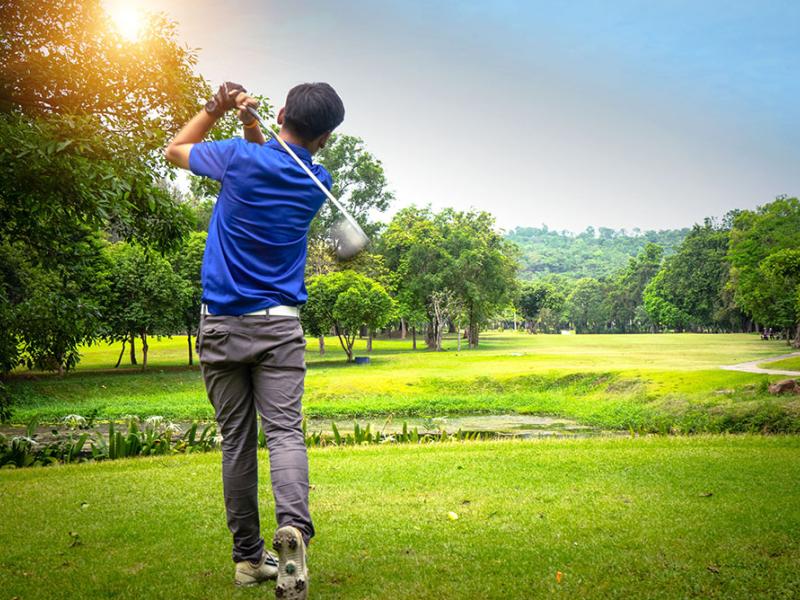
592	253
737	274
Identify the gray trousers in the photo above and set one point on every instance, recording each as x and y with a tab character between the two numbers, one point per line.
256	365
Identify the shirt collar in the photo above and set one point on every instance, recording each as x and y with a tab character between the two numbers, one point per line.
303	153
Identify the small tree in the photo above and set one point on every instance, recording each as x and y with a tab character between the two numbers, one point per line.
186	264
317	314
346	301
144	296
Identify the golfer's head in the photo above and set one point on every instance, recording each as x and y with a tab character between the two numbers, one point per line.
312	112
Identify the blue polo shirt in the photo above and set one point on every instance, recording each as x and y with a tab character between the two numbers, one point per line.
255	254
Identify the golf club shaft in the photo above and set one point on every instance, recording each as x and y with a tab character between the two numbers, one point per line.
303	165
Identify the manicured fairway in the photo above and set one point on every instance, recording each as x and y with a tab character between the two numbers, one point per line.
788	364
667	382
662	517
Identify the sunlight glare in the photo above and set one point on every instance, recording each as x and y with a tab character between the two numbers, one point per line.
127	20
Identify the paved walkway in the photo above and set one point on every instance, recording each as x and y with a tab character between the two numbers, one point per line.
752	366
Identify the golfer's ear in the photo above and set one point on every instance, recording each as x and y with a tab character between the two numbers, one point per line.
280	116
323	139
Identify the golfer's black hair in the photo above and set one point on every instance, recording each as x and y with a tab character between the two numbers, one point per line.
313	109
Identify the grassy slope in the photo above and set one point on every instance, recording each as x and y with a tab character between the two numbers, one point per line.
640	381
787	364
626	518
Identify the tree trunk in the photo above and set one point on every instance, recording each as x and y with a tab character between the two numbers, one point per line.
430	334
349	350
796	342
369	340
121	354
321	345
414	337
473	335
189	343
145	348
403	329
133	349
458	336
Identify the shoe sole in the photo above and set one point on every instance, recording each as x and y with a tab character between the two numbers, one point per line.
292	583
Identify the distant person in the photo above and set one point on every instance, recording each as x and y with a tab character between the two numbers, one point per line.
250	343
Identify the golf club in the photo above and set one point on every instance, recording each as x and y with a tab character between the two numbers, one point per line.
348	237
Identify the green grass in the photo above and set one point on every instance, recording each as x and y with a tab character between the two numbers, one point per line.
662	517
787	364
668	382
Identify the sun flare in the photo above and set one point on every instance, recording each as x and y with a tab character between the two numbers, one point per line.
127	20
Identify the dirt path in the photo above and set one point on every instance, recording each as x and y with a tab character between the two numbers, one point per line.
752	366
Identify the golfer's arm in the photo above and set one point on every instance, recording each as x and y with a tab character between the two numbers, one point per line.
254	134
192	133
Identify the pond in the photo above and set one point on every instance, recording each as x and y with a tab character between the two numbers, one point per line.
505	425
513	425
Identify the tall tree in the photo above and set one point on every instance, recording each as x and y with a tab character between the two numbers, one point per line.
415	251
359	182
627	311
482	266
688	290
587	306
754	237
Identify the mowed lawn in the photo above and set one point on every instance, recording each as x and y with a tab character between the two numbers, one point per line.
789	364
665	382
653	517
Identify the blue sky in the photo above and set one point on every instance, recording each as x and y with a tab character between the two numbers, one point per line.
620	114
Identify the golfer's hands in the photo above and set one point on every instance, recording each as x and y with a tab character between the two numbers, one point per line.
225	98
242	102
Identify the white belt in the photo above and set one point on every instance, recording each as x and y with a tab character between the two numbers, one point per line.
276	311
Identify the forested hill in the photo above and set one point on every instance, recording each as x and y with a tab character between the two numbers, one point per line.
592	253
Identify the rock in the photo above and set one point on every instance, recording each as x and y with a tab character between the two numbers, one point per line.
787	386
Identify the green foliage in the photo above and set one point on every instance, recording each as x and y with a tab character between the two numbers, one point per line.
688	292
346	301
83	118
78	444
626	309
186	264
648	382
593	253
5	403
142	293
763	284
359	182
482	268
587	306
459	251
540	302
414	249
82	126
50	307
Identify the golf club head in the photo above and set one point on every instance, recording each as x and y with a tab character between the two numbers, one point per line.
348	238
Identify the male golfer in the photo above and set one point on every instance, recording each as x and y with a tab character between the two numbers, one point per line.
251	343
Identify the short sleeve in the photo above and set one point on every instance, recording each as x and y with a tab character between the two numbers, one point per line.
324	177
210	159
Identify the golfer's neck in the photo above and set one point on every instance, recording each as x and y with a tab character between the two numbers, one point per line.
287	136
